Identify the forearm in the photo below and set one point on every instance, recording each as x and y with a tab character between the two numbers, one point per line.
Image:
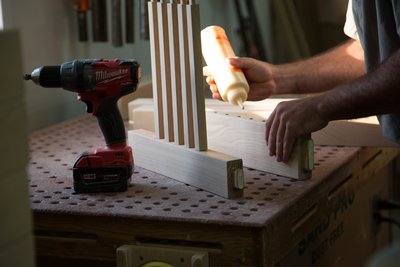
377	92
323	72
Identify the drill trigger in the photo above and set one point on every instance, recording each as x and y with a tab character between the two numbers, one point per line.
89	106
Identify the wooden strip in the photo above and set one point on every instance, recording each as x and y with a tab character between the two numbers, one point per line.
165	70
155	69
175	72
196	78
209	170
185	77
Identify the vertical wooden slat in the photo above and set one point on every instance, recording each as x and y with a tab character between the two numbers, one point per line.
185	76
195	67
165	70
155	69
176	85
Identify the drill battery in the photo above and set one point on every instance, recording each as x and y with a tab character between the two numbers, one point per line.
107	169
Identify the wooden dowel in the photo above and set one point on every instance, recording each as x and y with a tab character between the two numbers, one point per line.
175	72
185	78
165	69
196	79
155	69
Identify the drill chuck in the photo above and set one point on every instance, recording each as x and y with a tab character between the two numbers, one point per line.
46	76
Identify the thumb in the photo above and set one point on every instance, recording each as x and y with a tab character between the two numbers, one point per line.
241	62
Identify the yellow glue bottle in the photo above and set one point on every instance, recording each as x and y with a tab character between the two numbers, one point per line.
231	82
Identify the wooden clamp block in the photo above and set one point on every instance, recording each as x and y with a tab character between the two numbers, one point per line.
245	138
209	170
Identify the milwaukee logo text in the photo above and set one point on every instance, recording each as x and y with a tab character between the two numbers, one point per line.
104	75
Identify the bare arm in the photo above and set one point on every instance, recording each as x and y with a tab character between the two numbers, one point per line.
377	92
339	65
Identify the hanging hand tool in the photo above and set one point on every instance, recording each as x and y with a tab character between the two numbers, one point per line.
130	21
116	33
99	20
99	84
144	20
81	7
250	31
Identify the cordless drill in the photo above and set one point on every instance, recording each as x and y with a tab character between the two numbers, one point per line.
99	84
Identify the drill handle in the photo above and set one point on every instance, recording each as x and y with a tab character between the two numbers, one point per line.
110	122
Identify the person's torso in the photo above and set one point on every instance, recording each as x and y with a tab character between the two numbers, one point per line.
378	27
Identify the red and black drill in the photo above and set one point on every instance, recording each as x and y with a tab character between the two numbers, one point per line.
99	84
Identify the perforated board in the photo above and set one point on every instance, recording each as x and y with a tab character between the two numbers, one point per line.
152	196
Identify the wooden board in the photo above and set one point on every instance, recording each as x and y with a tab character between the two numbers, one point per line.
209	170
357	132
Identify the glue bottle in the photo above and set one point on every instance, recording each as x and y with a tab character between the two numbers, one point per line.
231	82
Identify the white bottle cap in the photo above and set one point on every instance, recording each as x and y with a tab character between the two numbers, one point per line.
236	96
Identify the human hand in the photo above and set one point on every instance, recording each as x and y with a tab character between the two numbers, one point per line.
290	120
258	75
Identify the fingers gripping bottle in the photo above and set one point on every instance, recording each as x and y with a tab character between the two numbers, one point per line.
231	82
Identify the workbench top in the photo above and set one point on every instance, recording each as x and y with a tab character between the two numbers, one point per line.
54	150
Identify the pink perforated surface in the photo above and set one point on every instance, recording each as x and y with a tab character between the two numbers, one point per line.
153	196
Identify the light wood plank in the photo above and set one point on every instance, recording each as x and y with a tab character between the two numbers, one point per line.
196	78
155	68
209	170
165	68
185	77
359	132
175	72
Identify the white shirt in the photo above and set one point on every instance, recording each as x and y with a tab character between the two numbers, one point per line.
350	28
